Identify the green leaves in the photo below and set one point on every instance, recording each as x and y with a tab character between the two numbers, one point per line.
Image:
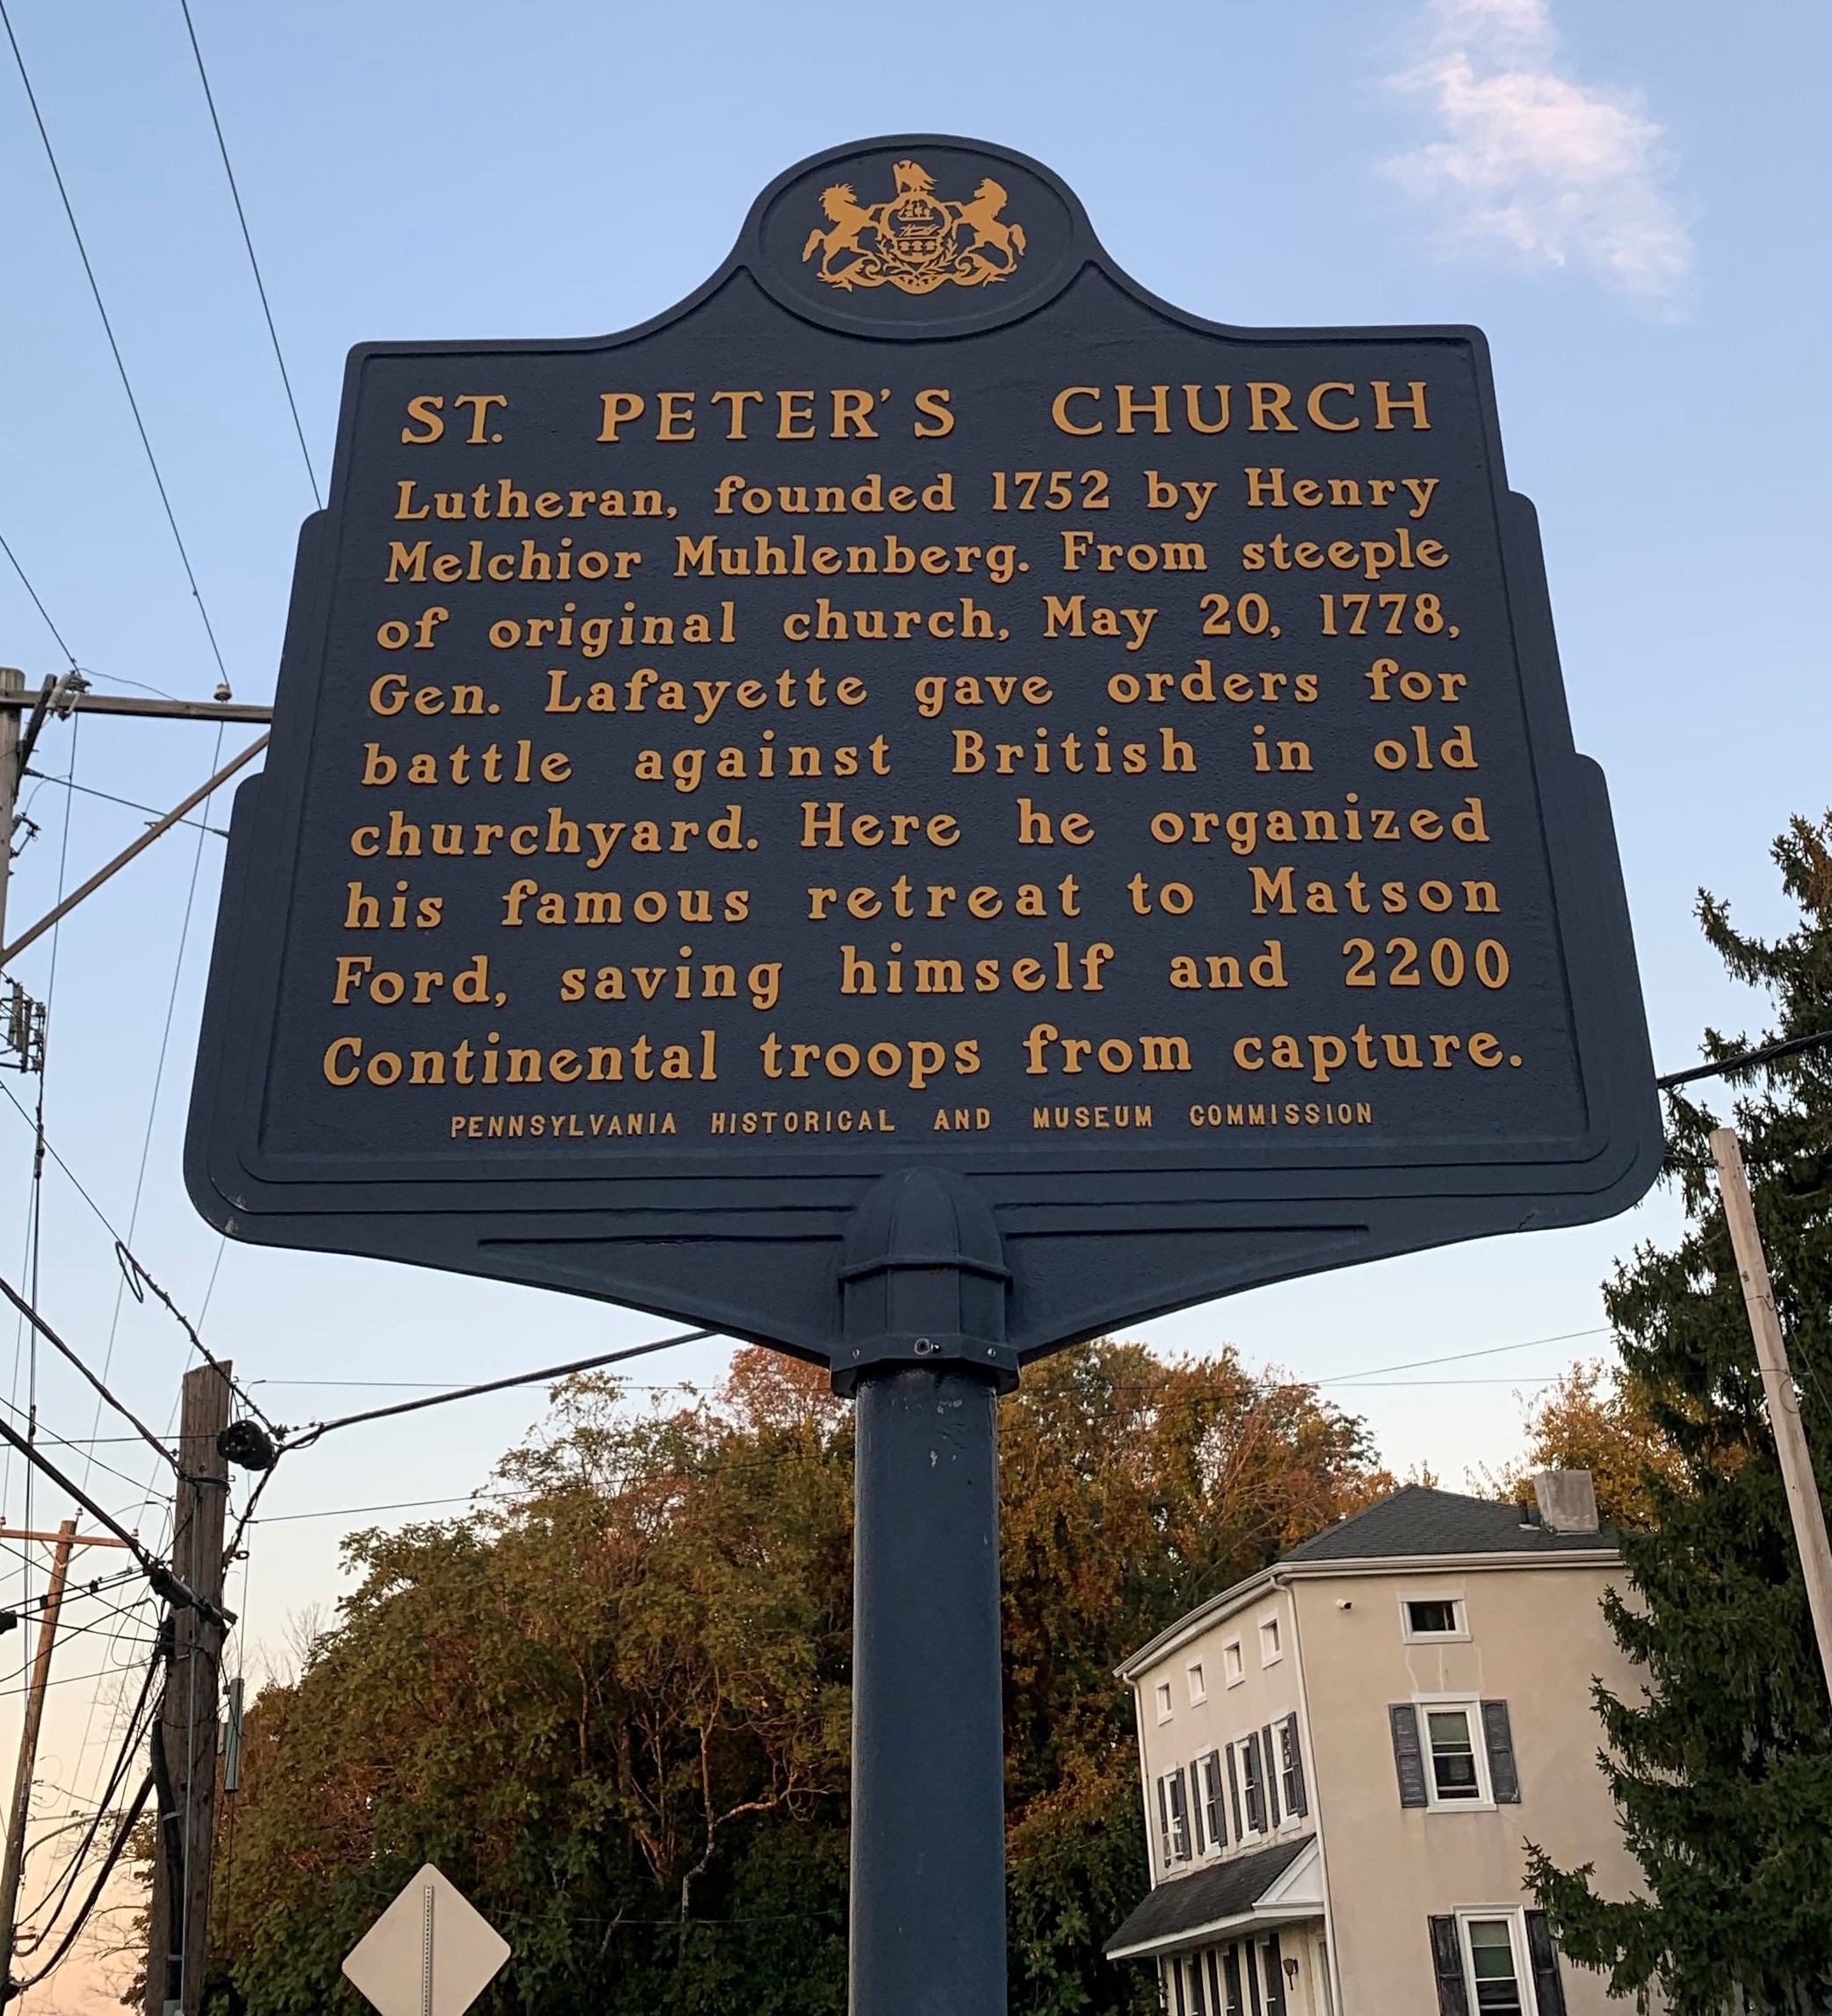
617	1711
1723	1772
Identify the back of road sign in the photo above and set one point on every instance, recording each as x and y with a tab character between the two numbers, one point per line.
922	702
432	1953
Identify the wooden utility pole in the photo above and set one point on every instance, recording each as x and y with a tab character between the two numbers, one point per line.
1803	1498
185	1734
20	1817
12	689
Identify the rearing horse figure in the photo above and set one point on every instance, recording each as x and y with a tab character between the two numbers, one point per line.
848	219
990	233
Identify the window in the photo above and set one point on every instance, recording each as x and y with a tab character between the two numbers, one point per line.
1211	1826
1173	1818
1253	1785
1484	1959
1493	1972
1433	1617
1290	1768
1163	1695
1454	1753
1454	1776
1197	1691
1233	1668
1269	1650
1198	2000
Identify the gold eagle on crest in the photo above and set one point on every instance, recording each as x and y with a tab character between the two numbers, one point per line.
916	241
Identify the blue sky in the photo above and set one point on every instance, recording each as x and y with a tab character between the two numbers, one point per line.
1623	195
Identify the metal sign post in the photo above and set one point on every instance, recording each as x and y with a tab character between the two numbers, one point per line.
918	807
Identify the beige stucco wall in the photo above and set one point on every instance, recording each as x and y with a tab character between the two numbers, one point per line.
1265	1693
1536	1638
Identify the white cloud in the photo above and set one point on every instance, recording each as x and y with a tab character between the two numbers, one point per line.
1535	165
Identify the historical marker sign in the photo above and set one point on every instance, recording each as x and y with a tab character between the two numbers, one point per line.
924	702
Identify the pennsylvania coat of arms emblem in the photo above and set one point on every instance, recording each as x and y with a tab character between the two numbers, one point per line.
918	241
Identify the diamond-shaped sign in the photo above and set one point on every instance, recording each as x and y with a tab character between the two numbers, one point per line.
432	1953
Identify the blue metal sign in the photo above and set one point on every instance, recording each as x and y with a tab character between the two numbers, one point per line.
921	703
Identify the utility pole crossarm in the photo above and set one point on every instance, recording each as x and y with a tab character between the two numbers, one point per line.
14	703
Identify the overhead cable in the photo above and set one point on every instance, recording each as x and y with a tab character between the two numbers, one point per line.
108	331
124	1834
25	583
1745	1059
162	1577
51	1337
222	148
307	1435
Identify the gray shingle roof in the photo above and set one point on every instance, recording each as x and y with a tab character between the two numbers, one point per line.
1221	1891
1416	1521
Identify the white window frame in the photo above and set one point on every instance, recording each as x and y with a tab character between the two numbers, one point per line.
1208	1844
1160	1699
1199	1687
1515	1921
1459	1635
1177	1774
1270	1624
1233	1663
1283	1726
1243	1747
1471	1706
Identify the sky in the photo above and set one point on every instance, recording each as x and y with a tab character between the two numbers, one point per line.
1622	195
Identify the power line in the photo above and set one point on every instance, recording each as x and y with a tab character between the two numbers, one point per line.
130	1265
161	1577
51	1337
1459	1357
25	583
133	804
1745	1059
108	331
311	1433
222	147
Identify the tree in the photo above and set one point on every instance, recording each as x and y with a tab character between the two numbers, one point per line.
615	1709
1722	1771
1597	1417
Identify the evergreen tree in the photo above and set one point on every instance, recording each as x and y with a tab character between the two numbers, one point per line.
1722	1770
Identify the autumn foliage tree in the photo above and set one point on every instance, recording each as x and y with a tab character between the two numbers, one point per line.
615	1708
1602	1419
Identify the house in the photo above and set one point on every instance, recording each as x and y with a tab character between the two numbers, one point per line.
1344	1756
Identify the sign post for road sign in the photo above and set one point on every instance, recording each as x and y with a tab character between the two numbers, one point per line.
432	1953
918	807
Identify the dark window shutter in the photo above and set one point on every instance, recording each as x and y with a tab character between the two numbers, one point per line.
1271	1760
1218	2001
1211	1800
1548	1989
1447	1965
1234	1794
1408	1760
1179	1817
1499	1736
1301	1803
1275	1977
1164	1825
